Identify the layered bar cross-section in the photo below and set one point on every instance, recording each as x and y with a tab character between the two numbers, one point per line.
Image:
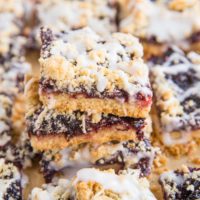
53	129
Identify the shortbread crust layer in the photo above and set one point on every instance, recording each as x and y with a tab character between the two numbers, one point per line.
65	102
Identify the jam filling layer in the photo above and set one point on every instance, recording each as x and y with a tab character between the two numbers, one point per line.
78	123
49	86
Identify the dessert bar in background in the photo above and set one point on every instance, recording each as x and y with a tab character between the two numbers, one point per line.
10	180
61	15
90	183
181	184
176	82
99	75
161	23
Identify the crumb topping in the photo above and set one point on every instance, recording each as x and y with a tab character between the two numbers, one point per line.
93	63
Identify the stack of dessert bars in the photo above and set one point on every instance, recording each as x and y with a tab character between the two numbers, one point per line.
91	103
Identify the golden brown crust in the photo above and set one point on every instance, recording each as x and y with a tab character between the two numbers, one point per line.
64	102
54	141
153	49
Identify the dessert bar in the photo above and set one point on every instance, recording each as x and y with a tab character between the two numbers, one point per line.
70	15
127	154
176	82
181	184
13	66
50	129
20	153
90	183
10	180
99	75
160	23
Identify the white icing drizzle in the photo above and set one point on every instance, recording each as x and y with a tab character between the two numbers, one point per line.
149	19
129	186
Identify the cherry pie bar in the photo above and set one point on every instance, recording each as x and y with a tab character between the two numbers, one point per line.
181	184
176	82
81	70
90	183
160	23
